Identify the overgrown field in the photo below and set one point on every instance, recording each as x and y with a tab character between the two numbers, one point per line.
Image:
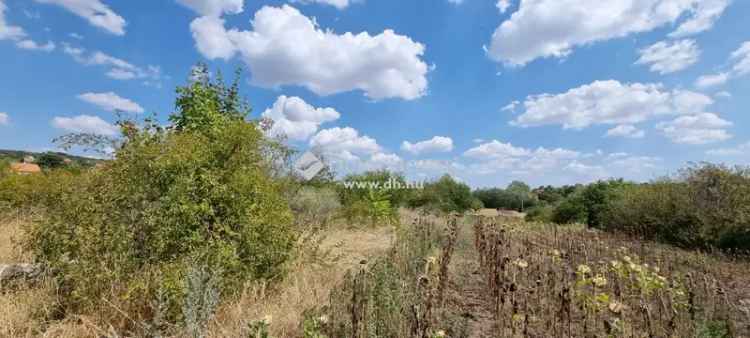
496	277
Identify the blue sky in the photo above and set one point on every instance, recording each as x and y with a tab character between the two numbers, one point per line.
547	91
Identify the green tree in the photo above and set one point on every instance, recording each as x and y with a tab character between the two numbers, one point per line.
596	198
201	192
50	160
207	104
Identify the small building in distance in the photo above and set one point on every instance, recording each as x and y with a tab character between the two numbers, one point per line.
25	167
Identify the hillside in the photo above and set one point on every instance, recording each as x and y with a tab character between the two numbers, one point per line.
18	155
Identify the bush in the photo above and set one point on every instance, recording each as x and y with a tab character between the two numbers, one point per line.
596	198
168	201
315	205
446	195
517	196
570	210
24	192
374	196
540	213
706	206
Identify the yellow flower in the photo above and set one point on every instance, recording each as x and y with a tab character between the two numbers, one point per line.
555	253
440	333
599	281
323	319
584	269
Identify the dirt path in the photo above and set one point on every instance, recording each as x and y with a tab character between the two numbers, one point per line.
468	303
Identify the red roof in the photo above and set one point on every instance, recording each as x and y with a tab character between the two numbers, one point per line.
25	168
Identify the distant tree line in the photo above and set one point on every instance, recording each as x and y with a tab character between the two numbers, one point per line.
704	206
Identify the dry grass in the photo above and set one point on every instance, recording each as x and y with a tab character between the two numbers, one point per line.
307	286
23	311
11	232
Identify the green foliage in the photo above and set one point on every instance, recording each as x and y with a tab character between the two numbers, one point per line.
446	195
312	327
23	192
714	329
570	210
207	104
373	195
9	156
168	199
596	198
50	161
517	196
258	329
706	206
540	213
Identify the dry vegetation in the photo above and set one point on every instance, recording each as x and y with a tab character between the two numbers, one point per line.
471	276
507	278
26	311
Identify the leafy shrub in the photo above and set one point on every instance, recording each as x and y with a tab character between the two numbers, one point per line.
314	205
50	160
517	196
168	199
446	195
373	195
540	213
570	210
706	206
596	198
22	192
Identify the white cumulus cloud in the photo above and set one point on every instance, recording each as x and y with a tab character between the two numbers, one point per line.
296	119
33	45
350	152
609	102
741	57
496	149
119	69
707	81
95	12
553	28
341	4
740	66
111	102
701	128
85	124
287	48
434	145
214	7
626	130
666	57
345	139
503	5
4	119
